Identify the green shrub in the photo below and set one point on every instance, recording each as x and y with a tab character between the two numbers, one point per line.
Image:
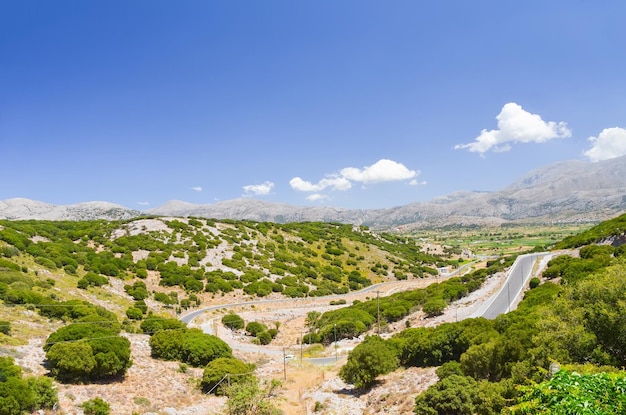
434	307
8	265
134	313
20	395
153	324
233	321
5	327
311	338
138	290
190	346
91	279
254	328
165	299
264	337
96	406
366	361
227	370
46	262
87	352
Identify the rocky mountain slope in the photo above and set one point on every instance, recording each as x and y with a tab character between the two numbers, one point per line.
19	208
572	191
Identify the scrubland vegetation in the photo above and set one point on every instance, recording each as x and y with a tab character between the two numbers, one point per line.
573	316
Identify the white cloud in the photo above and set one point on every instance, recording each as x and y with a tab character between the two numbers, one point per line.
258	189
197	188
610	143
143	203
382	171
317	196
515	125
332	182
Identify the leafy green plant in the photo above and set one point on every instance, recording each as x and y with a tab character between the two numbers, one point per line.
96	406
225	371
573	393
233	321
369	359
190	346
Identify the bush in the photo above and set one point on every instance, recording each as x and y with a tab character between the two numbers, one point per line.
234	370
134	313
138	290
87	352
233	321
96	406
264	337
190	346
254	328
19	395
434	307
5	327
534	282
91	279
571	392
154	324
451	395
311	338
365	362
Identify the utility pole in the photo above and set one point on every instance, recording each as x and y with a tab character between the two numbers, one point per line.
335	330
301	341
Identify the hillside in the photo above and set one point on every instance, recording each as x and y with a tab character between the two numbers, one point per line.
122	283
62	274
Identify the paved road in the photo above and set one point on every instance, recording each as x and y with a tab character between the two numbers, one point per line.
517	278
524	268
188	318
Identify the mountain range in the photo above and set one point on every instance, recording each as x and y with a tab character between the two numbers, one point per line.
570	191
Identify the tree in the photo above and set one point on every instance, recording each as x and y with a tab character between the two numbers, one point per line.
134	313
190	346
254	328
71	360
252	398
453	395
369	359
228	371
233	321
87	352
152	324
434	307
311	318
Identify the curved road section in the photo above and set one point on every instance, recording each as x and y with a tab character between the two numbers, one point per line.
502	302
510	292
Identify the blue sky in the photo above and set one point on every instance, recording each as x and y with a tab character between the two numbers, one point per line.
356	104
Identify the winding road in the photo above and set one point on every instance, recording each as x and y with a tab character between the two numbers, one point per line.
504	300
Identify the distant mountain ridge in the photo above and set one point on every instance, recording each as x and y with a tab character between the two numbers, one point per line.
23	209
571	191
